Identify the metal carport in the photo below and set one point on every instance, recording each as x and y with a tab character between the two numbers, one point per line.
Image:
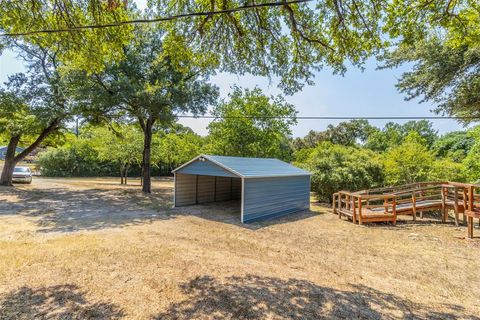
267	188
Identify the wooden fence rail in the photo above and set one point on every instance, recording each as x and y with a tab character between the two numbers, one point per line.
385	204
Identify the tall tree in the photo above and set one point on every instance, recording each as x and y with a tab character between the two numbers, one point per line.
251	124
345	133
41	95
393	134
454	145
119	144
148	87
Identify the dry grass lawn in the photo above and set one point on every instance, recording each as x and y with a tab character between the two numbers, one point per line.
89	248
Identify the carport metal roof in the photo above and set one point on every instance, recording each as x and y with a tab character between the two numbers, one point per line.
251	167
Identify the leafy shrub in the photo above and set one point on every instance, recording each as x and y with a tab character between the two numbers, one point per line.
472	160
336	167
77	159
447	170
409	162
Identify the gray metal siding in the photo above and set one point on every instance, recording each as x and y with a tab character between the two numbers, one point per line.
272	197
206	188
223	189
206	168
185	189
236	189
210	189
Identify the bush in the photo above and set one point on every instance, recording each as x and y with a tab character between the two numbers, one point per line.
76	159
472	160
336	167
447	170
408	162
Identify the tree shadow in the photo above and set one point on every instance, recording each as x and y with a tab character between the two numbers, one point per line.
69	210
54	302
229	212
61	209
254	297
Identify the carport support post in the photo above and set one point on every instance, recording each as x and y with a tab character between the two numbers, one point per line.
243	199
174	189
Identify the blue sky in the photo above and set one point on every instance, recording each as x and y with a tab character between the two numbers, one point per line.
358	93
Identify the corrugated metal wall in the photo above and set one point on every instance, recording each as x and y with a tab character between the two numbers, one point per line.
206	189
272	197
206	168
210	189
185	189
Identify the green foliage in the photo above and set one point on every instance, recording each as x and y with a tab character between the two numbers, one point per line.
408	162
454	145
251	124
147	85
291	42
345	133
120	144
85	50
393	134
445	75
174	149
472	160
336	167
78	158
447	170
106	151
16	117
361	133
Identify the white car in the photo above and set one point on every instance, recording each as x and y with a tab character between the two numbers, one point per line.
22	174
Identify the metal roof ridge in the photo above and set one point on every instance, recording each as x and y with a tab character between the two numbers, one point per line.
256	158
206	156
211	160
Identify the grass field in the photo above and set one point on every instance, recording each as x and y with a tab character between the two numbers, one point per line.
90	248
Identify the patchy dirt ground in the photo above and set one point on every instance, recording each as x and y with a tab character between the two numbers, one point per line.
90	248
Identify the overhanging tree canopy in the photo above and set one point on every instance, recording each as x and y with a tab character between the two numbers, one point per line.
148	87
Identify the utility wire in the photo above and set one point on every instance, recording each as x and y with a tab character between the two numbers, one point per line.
333	117
161	19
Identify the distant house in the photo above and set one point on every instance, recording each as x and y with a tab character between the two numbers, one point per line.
3	151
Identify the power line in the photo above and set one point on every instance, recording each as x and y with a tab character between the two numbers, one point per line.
334	117
161	19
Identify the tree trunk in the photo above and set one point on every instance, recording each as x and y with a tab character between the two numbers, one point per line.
126	174
7	172
147	145
9	165
121	174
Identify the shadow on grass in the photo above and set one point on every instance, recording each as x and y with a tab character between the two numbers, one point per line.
229	212
61	209
254	297
66	210
55	302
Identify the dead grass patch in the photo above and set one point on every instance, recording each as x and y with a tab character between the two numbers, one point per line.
88	248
